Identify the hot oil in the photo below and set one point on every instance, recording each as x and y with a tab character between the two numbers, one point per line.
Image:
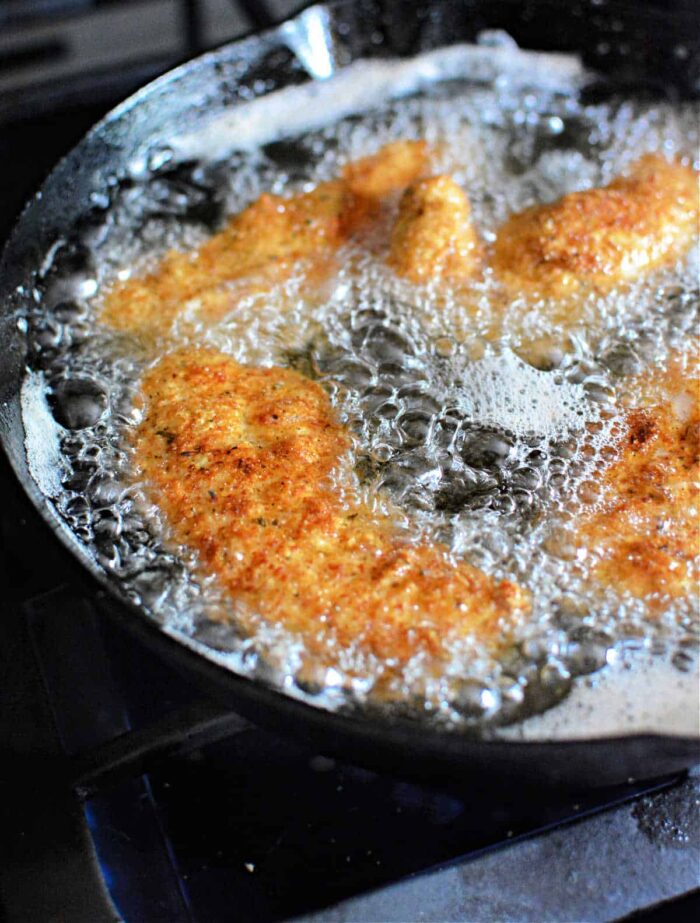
479	420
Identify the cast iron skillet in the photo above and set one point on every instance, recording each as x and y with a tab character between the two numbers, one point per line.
627	48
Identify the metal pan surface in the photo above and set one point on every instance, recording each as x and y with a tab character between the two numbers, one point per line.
43	269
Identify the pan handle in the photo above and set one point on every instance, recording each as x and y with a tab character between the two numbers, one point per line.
135	752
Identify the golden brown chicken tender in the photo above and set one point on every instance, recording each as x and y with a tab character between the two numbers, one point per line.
391	169
433	236
602	236
240	460
648	531
264	243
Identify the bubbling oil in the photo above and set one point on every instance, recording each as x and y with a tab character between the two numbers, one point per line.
486	421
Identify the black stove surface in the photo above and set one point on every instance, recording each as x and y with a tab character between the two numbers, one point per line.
253	826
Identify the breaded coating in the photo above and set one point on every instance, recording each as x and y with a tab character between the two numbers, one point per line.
604	236
242	462
391	169
433	236
264	243
648	532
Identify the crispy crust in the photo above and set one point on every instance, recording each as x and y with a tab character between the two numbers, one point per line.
264	244
602	236
433	236
648	533
391	169
241	462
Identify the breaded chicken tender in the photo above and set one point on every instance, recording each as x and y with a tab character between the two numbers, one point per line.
648	531
433	236
264	243
391	169
604	236
242	462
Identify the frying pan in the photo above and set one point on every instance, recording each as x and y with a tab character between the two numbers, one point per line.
626	47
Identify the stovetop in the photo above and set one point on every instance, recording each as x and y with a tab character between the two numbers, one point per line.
231	821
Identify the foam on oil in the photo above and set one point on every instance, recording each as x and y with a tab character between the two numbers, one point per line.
487	421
